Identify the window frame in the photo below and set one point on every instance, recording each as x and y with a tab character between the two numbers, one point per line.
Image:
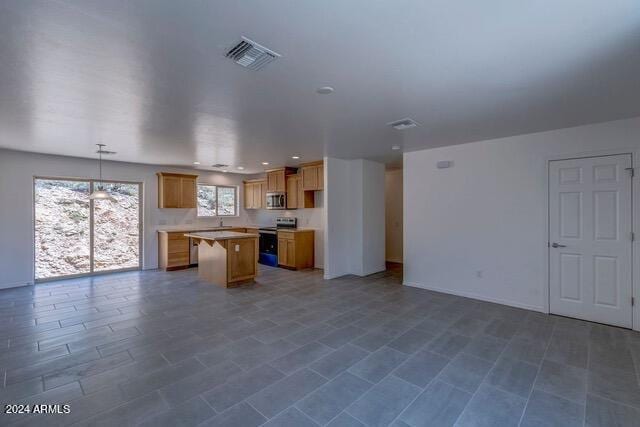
217	214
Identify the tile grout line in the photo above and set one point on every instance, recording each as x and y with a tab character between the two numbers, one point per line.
485	377
533	384
584	414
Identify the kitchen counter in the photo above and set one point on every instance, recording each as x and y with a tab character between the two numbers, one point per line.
226	258
191	228
219	235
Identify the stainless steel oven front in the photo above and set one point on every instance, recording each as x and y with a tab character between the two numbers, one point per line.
277	200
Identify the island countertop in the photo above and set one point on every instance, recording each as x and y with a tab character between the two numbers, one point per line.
220	235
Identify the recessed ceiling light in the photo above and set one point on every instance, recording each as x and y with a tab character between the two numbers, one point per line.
395	147
325	90
196	163
225	171
295	157
240	168
265	163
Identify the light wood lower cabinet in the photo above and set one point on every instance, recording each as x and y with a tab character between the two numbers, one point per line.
242	259
296	249
173	250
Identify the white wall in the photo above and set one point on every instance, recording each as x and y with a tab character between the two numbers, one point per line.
337	223
16	205
354	212
393	215
480	228
373	216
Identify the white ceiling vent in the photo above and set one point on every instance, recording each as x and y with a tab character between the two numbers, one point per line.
403	124
251	55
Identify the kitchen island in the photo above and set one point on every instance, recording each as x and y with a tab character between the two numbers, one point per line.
226	258
175	250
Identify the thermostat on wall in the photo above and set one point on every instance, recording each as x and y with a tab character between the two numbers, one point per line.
444	164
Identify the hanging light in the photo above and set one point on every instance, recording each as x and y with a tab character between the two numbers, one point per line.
99	193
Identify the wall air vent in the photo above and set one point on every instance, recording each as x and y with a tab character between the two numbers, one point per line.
219	165
251	55
403	124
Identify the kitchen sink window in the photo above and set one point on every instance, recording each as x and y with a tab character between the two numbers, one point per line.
217	200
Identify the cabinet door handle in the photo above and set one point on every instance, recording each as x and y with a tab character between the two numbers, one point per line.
557	245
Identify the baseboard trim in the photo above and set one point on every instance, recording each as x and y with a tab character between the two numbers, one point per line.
475	296
14	285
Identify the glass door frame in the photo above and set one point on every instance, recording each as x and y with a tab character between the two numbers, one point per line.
92	182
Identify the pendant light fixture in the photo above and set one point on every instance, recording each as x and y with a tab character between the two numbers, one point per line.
99	193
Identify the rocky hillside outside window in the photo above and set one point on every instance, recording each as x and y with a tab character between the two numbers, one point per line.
217	200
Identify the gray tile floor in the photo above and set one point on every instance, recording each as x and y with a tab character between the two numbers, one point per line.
164	349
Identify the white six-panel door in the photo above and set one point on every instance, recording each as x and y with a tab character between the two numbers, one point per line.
590	239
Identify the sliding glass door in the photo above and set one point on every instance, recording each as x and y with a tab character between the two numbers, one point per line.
62	228
116	225
77	236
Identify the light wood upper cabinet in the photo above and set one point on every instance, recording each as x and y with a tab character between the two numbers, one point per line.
277	179
248	195
297	198
177	191
298	186
320	174
293	181
254	194
188	193
258	195
313	176
169	193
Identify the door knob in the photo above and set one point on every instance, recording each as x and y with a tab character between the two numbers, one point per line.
556	245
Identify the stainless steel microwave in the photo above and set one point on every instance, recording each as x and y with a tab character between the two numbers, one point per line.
277	200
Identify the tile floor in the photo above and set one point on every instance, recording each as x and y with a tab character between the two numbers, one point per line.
164	349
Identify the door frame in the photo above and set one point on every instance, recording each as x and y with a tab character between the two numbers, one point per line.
91	182
635	225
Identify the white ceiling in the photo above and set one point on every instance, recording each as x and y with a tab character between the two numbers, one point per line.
149	78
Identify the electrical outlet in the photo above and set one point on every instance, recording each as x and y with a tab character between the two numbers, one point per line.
479	274
237	248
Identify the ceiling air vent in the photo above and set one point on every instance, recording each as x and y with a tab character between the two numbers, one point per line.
251	55
219	165
403	124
